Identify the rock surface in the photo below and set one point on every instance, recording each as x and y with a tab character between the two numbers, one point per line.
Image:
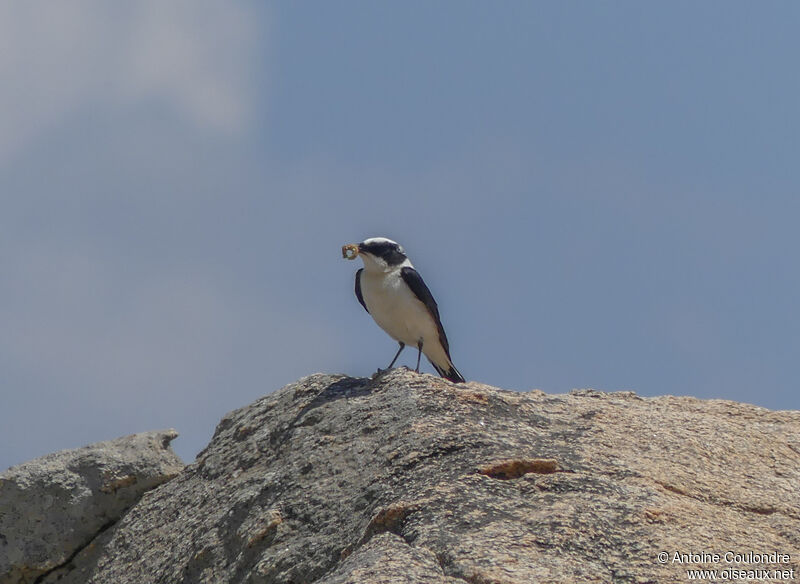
54	506
410	478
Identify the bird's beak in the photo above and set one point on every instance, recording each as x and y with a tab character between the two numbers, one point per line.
350	251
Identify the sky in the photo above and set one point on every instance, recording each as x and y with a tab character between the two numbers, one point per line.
598	195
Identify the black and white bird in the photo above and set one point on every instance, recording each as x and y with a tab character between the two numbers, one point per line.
394	294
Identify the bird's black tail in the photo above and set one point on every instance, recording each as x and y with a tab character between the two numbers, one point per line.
451	373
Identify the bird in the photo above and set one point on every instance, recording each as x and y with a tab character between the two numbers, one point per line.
397	298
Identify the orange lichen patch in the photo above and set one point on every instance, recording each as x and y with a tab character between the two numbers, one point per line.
243	432
112	484
274	519
654	515
472	396
672	488
516	467
390	519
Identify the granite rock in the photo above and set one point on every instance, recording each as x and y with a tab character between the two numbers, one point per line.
54	506
410	478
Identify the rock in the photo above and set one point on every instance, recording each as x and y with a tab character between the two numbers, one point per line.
410	478
54	506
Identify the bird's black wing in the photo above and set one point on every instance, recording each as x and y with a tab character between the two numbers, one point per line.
414	281
358	289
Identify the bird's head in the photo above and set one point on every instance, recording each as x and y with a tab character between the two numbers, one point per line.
382	255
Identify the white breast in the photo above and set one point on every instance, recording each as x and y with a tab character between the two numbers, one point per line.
397	310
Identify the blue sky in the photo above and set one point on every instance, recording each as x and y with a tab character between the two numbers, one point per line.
598	194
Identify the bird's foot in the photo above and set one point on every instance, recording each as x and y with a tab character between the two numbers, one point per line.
380	371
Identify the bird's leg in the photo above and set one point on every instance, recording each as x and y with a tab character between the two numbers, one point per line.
400	350
419	355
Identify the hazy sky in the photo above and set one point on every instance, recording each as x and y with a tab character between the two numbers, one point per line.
598	194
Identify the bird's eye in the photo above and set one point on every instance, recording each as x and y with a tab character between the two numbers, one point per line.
400	249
